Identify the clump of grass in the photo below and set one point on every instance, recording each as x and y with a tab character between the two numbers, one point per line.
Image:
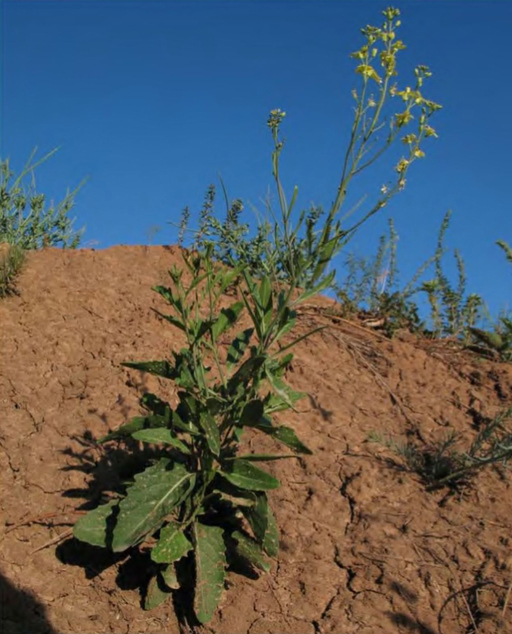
441	464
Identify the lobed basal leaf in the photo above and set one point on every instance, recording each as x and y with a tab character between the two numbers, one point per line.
92	528
172	545
210	559
154	494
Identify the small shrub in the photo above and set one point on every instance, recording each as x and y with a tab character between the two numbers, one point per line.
496	342
452	312
441	464
371	285
43	226
12	258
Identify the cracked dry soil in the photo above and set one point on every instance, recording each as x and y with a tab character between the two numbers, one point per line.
364	548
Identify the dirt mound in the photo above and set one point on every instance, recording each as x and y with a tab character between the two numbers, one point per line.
364	547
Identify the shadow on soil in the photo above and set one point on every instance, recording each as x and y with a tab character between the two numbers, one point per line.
21	612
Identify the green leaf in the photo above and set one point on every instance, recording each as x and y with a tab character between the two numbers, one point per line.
171	546
171	319
187	427
326	282
229	277
324	257
210	569
154	404
247	476
195	282
92	528
154	494
249	550
282	389
279	366
263	524
183	374
160	368
235	496
160	435
211	432
170	578
136	424
226	319
238	347
262	457
288	437
302	337
271	540
265	293
252	412
155	594
246	371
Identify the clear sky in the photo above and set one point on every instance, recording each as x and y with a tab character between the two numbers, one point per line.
153	99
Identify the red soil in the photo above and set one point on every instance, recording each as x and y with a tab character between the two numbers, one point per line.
364	547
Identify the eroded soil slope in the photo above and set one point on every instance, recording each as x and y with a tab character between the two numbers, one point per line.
364	548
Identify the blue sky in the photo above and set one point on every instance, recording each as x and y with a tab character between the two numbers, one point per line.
153	99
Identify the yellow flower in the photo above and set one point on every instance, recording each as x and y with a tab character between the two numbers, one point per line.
429	131
368	71
409	139
403	118
402	165
419	153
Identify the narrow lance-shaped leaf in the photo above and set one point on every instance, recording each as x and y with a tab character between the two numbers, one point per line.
263	457
211	432
159	436
245	475
210	569
283	390
263	524
238	347
326	282
265	299
288	437
155	492
171	319
249	550
236	497
284	434
226	319
136	424
160	368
